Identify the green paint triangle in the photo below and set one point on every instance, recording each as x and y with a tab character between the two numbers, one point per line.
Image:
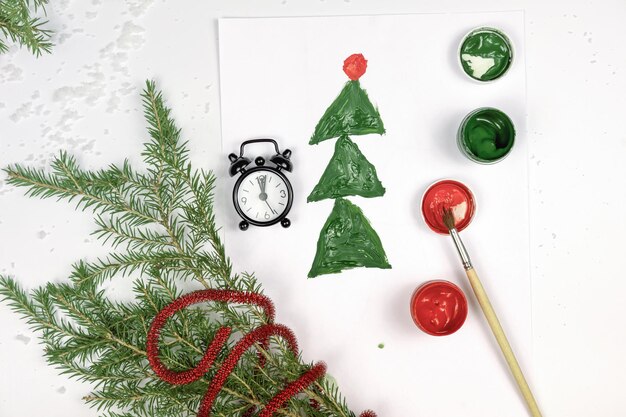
352	113
347	173
347	241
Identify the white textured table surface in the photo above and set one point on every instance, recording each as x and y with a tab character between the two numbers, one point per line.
85	97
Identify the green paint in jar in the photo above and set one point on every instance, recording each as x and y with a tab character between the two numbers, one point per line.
486	54
486	135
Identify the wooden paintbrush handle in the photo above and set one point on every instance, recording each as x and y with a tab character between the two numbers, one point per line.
498	332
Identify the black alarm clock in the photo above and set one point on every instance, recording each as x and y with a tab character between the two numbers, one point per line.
262	194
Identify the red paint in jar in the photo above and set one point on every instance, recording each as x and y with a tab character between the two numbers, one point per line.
448	194
438	308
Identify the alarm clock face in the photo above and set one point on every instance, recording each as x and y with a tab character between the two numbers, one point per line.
263	196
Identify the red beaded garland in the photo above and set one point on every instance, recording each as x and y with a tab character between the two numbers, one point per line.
260	334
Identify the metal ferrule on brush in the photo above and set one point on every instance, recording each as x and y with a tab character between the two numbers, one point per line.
467	263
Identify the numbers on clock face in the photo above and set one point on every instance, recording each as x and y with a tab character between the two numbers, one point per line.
262	196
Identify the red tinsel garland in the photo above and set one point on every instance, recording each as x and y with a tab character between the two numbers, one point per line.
260	334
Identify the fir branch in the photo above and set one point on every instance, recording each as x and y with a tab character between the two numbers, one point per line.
161	228
18	25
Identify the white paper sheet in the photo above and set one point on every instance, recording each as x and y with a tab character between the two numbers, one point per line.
278	76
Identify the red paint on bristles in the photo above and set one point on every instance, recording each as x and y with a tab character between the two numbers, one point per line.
259	335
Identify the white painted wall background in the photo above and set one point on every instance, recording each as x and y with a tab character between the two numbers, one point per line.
85	97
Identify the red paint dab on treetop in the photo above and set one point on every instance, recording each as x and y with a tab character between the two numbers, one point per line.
354	66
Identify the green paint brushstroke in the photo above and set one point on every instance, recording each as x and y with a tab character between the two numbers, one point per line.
347	241
352	113
347	173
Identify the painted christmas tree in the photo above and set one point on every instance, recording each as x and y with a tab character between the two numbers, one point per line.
347	239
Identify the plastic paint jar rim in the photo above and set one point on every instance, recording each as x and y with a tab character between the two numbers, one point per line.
468	153
459	319
471	203
486	29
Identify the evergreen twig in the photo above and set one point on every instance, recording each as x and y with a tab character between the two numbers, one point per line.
162	230
18	25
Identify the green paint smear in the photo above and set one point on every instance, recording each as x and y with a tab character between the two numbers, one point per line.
352	113
381	346
486	135
347	173
347	241
486	48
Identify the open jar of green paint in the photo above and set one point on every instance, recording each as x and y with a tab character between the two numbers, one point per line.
486	135
486	54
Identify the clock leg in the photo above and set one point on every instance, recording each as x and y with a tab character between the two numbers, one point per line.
243	225
285	222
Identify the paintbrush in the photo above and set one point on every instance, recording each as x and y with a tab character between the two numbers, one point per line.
490	314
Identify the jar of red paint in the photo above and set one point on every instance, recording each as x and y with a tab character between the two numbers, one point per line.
439	308
450	194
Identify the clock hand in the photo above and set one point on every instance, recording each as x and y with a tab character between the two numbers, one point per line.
261	180
268	204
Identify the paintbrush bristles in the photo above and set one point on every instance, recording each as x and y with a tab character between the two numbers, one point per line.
448	218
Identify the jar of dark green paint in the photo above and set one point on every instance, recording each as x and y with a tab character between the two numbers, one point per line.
486	54
486	135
